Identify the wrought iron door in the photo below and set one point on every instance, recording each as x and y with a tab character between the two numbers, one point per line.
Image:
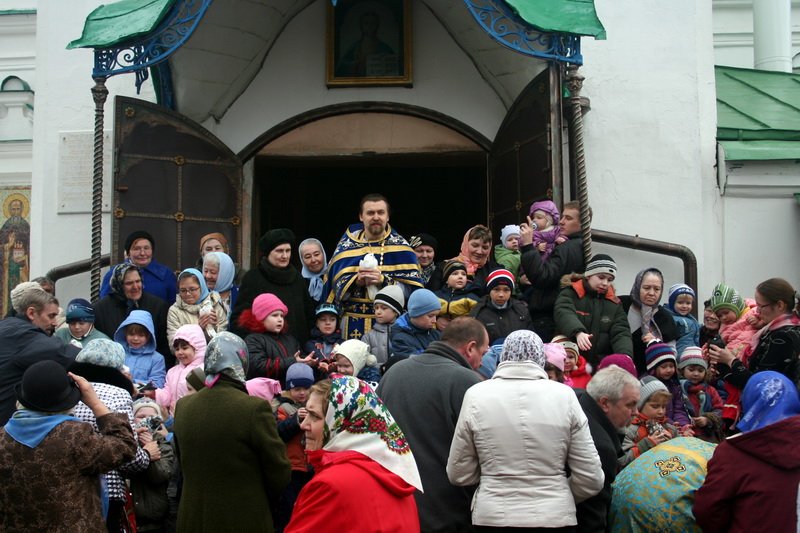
525	159
175	180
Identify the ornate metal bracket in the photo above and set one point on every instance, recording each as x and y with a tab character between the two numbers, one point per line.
508	29
139	55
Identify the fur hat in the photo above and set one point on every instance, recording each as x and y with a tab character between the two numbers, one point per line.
266	304
508	231
46	387
650	385
621	360
392	296
357	353
725	297
102	352
421	302
692	355
274	238
450	267
299	375
675	291
79	310
657	353
501	276
601	264
556	354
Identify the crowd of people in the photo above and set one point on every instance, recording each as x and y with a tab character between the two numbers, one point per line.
385	389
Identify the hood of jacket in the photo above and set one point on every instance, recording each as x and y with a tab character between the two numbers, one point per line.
193	334
775	444
142	318
323	459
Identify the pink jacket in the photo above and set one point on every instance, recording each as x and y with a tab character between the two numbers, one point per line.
737	336
175	387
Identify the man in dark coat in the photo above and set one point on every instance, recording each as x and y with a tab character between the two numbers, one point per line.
424	394
545	276
26	339
609	402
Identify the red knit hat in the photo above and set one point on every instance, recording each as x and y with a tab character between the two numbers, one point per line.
500	276
266	304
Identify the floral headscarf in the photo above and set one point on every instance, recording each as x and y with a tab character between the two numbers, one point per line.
226	272
226	354
643	316
117	283
357	420
523	345
767	398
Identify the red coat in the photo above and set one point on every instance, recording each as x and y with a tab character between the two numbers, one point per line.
580	378
752	482
351	492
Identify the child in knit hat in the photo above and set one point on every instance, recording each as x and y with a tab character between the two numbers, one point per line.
270	347
680	300
651	426
702	400
556	356
388	305
325	335
589	312
498	311
662	364
507	252
457	296
80	324
353	359
576	369
546	231
738	318
416	329
290	413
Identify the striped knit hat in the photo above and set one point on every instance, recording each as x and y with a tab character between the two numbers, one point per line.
500	277
692	355
650	385
657	353
601	264
452	266
568	345
675	291
725	297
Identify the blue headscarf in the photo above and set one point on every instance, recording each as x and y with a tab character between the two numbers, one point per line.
767	398
200	279
315	280
226	270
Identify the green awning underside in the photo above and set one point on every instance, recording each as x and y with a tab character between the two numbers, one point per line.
111	24
758	114
577	17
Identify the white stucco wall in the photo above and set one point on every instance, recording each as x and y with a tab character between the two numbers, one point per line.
292	81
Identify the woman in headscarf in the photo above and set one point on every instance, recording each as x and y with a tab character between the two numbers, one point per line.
233	462
516	435
315	266
648	321
219	272
753	478
365	473
476	252
126	294
50	461
277	275
212	242
195	304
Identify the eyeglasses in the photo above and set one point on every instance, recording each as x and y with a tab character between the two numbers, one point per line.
762	306
189	290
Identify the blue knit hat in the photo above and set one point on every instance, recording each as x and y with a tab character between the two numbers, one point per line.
676	290
657	353
299	375
421	302
79	310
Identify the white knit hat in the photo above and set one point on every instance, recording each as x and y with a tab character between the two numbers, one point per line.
357	353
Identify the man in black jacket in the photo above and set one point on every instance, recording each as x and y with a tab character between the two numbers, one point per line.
609	402
26	339
545	276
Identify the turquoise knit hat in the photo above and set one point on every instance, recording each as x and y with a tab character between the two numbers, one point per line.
725	297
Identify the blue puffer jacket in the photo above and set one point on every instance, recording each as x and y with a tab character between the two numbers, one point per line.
406	339
145	363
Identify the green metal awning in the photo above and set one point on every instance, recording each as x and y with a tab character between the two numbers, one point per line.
577	17
121	21
758	114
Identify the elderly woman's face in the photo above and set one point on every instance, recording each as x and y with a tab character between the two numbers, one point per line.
478	250
132	285
280	256
650	291
141	253
312	258
314	423
211	245
210	274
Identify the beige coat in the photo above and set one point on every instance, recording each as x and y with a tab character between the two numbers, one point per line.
514	436
181	314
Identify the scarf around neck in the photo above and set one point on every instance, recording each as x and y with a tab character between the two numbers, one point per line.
30	428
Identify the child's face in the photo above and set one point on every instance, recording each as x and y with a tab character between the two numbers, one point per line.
512	242
384	314
274	322
457	280
426	321
79	328
710	320
184	352
500	295
665	371
655	409
299	394
694	373
726	316
137	339
552	375
600	282
189	289
683	304
326	323
540	217
571	362
143	413
343	365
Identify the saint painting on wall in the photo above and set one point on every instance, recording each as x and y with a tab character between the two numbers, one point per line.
15	238
369	43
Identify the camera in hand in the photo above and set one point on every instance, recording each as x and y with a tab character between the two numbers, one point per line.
717	341
654	427
152	423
